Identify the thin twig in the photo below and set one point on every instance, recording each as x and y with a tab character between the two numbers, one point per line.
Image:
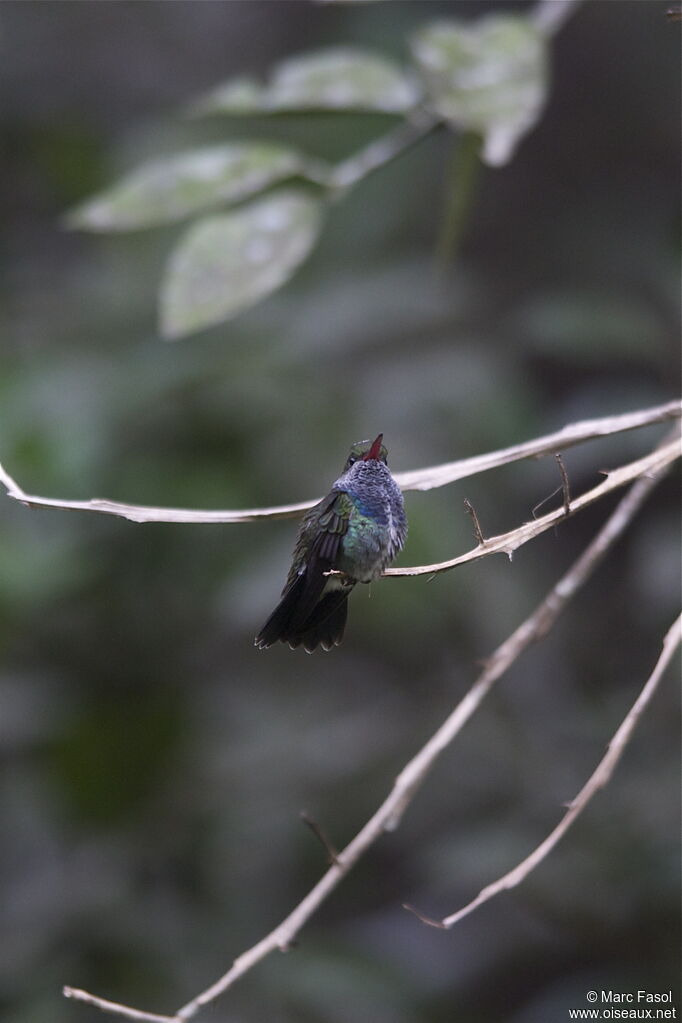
478	532
430	921
544	501
507	543
332	854
415	479
114	1007
389	814
565	488
597	780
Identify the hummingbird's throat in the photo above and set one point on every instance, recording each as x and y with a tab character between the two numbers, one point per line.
374	451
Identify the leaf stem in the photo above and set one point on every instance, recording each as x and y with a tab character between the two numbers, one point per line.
382	150
461	183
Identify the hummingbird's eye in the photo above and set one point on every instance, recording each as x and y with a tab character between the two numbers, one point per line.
352	459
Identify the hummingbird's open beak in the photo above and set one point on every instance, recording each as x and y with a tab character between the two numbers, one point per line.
374	451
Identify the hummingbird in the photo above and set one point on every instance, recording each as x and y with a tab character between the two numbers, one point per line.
349	537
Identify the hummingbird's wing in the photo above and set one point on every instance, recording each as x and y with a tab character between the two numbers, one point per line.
331	525
320	535
312	610
316	552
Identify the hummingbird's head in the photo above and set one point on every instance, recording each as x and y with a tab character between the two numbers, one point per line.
367	451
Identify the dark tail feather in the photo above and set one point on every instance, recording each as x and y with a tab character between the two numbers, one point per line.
277	625
326	624
323	626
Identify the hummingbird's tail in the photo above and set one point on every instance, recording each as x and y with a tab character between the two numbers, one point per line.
295	623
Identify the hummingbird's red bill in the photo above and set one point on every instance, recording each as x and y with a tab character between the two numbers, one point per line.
374	451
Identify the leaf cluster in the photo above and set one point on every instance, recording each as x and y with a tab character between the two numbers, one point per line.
259	205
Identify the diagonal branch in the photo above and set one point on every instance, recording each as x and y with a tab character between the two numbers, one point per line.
416	479
389	814
575	433
600	777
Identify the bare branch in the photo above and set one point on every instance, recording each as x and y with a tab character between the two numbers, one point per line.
389	814
147	513
575	433
507	543
416	479
600	777
114	1007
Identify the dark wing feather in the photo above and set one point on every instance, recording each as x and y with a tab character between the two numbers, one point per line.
305	614
321	532
318	542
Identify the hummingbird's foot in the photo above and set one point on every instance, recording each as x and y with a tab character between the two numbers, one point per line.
342	577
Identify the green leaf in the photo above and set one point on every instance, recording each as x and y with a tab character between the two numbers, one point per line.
489	77
176	186
226	263
242	95
333	79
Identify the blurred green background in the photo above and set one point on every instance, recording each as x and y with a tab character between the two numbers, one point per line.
153	763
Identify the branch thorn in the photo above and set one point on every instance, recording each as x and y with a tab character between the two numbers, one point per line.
564	483
332	853
478	532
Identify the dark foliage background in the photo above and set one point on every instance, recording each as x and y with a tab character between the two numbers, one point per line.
153	763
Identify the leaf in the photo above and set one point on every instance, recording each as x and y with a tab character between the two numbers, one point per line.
332	79
226	263
489	77
174	187
242	95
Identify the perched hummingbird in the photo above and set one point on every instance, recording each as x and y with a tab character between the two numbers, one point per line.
356	531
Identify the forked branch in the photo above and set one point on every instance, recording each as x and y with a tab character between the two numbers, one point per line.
389	814
600	777
507	543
